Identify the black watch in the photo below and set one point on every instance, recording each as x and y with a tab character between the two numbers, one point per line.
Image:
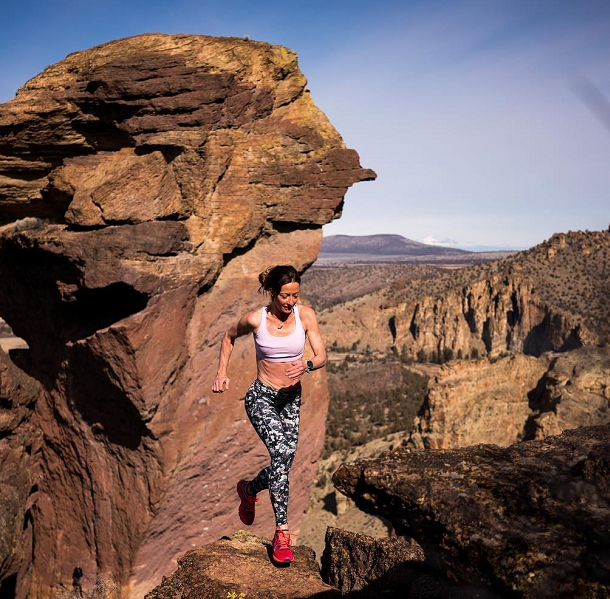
309	366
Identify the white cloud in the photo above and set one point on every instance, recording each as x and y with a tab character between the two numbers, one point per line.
445	242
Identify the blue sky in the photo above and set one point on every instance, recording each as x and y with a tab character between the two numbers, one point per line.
487	121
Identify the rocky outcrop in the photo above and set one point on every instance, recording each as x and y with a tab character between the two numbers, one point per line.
487	318
19	479
376	567
531	520
144	184
491	317
514	399
574	392
470	402
353	566
239	567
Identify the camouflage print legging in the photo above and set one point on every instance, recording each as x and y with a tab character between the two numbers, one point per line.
275	417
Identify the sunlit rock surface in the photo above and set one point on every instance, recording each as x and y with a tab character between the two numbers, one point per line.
144	184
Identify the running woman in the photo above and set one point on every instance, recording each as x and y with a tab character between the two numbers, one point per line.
273	401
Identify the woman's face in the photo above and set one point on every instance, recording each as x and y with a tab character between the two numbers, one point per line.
288	296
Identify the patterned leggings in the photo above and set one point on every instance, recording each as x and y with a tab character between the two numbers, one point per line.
275	415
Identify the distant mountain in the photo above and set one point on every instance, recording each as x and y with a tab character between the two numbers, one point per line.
383	245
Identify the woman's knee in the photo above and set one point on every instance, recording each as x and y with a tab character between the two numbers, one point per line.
281	461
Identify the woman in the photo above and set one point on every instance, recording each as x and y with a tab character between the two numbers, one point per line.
273	401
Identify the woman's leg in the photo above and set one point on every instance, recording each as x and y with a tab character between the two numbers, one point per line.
275	417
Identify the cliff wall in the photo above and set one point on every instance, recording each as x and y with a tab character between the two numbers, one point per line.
144	184
517	398
489	317
529	520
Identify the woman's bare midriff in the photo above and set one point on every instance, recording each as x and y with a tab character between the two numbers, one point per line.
273	374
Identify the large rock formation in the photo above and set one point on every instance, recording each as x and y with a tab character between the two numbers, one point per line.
550	298
514	399
470	402
530	521
490	317
143	186
19	439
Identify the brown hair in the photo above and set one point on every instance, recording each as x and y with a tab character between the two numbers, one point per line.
275	277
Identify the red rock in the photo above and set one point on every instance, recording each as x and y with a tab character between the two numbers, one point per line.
154	177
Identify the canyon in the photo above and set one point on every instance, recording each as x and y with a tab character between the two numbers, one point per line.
144	184
549	298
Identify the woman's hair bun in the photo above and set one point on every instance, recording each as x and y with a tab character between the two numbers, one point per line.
262	277
275	277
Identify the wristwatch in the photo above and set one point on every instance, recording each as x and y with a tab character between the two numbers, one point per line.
309	367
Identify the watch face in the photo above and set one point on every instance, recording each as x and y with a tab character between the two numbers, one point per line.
309	365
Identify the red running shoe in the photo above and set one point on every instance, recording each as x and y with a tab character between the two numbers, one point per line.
246	507
282	554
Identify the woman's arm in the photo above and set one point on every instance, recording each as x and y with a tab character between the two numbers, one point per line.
315	338
246	324
310	324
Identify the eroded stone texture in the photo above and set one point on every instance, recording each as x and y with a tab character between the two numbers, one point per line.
514	399
471	402
19	446
375	567
241	565
531	520
574	392
144	184
492	317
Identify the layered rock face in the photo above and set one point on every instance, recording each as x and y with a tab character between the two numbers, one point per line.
490	317
530	521
514	399
144	184
19	438
470	402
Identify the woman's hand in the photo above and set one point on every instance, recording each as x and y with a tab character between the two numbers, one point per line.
296	369
221	383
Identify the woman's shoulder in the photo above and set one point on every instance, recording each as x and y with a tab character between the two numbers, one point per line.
252	319
306	314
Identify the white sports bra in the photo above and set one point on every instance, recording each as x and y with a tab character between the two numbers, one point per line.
279	349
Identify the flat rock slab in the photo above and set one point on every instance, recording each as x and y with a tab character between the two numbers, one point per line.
240	567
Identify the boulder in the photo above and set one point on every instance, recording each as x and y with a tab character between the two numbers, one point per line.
531	520
238	567
375	567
